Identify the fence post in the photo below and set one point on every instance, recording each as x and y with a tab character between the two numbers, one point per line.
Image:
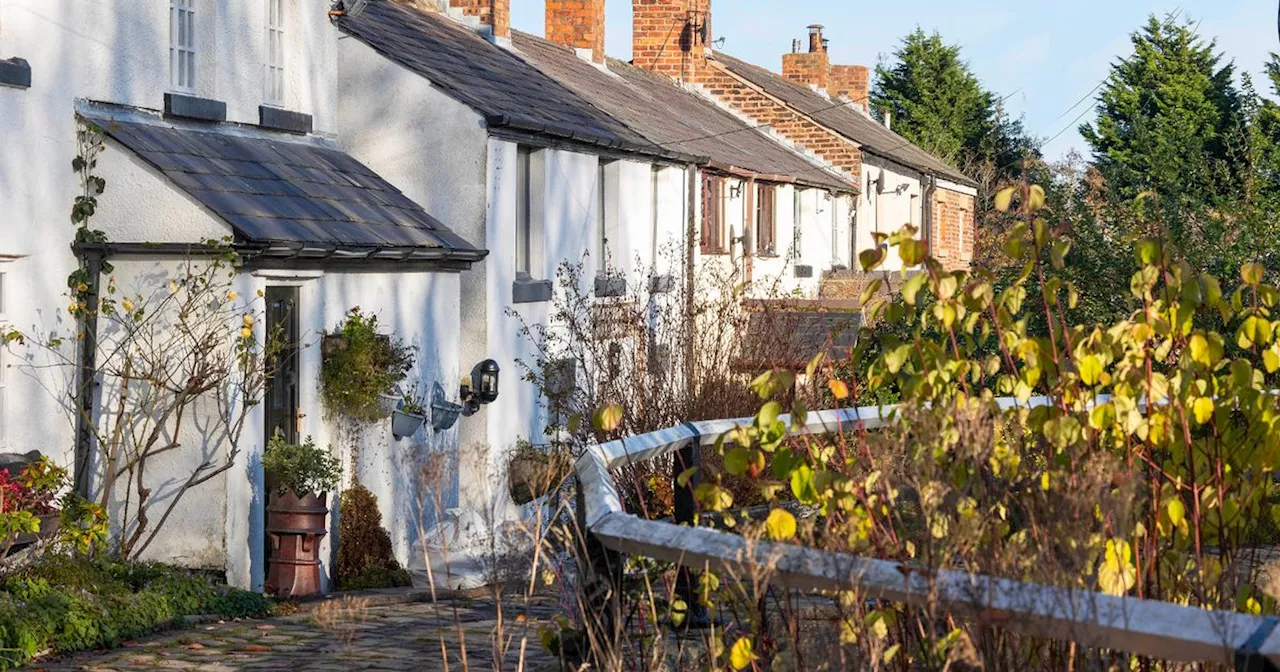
687	580
600	595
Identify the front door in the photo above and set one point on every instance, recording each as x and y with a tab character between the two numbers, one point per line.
282	389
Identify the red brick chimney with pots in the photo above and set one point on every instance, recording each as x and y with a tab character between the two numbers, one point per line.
850	81
809	69
577	24
496	14
671	37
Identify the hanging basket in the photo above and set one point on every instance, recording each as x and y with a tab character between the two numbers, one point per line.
405	424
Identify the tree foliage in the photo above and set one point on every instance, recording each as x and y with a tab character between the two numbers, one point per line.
939	104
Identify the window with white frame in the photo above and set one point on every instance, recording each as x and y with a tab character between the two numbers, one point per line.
274	67
182	45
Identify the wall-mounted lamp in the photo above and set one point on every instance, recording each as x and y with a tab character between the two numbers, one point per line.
481	387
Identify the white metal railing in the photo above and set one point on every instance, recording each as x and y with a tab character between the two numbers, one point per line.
1159	630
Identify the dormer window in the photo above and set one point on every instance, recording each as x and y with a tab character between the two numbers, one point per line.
274	73
182	45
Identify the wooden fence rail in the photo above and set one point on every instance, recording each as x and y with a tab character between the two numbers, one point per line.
1160	630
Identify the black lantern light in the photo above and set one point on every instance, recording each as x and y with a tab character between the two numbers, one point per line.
481	387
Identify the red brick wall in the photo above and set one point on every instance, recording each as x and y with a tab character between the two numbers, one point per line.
665	40
762	109
850	81
809	69
493	13
954	233
578	24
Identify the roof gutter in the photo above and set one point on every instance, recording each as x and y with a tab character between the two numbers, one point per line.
525	125
255	253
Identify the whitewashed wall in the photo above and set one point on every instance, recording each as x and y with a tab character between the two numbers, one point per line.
113	51
886	212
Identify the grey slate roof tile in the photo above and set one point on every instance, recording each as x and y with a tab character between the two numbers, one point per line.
547	89
672	117
486	78
869	133
286	192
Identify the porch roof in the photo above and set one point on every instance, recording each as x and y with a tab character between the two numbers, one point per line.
289	196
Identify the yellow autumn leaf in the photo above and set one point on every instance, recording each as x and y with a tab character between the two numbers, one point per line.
1117	574
607	418
1199	346
1203	409
740	655
1090	369
1004	198
1036	202
838	389
780	525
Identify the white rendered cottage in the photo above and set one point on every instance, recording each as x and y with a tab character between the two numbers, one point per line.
220	121
541	152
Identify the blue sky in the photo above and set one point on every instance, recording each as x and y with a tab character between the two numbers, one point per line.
1044	55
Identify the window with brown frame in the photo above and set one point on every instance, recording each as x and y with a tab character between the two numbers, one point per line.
713	215
766	221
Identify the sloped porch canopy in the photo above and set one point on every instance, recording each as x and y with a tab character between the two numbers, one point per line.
289	203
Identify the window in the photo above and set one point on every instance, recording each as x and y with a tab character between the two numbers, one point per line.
524	215
274	81
766	223
835	228
561	377
602	219
713	215
796	236
654	190
182	45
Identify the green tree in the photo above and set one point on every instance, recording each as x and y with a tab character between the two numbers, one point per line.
1172	125
937	103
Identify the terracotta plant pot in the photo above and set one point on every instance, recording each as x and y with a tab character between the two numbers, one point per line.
405	424
532	477
295	526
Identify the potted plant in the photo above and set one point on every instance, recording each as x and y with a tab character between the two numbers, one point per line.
298	477
532	473
362	368
409	416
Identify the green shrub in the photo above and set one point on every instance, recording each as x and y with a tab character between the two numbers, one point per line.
365	559
300	468
69	603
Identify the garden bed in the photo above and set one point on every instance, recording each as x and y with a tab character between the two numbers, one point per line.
66	603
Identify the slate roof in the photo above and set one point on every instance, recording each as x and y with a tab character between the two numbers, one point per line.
291	195
872	135
671	117
508	91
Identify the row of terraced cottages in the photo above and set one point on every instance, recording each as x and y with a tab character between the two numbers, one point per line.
425	163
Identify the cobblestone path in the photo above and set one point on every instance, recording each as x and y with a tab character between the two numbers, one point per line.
342	637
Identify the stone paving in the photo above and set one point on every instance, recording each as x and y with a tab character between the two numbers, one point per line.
345	635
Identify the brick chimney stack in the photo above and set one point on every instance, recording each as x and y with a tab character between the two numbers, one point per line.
670	37
493	14
577	24
812	68
816	43
850	81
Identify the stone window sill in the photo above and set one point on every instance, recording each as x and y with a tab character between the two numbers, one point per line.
192	107
528	290
610	286
280	119
15	72
661	284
